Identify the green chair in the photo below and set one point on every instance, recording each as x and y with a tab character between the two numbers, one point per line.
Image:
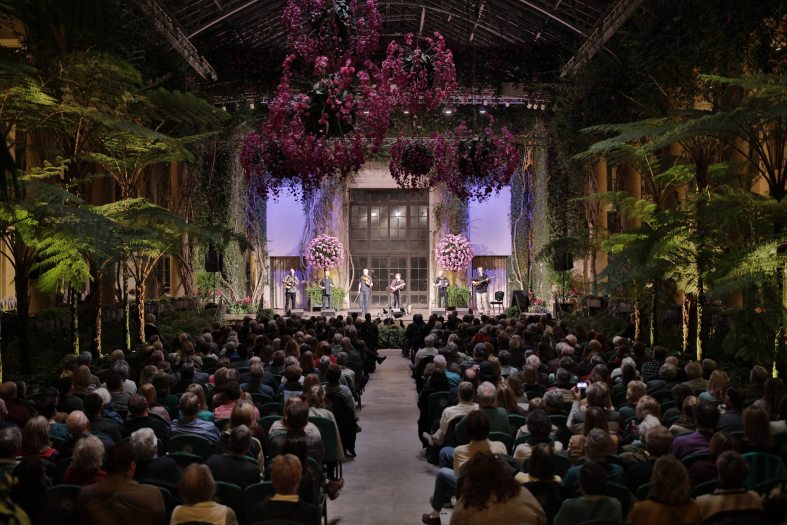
668	404
521	439
169	503
191	444
562	464
662	396
763	467
622	494
706	487
503	438
232	496
330	442
267	422
435	404
516	422
221	423
260	400
643	491
271	408
64	497
689	460
254	494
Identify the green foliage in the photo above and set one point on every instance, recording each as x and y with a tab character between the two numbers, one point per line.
458	296
172	323
390	337
512	312
314	293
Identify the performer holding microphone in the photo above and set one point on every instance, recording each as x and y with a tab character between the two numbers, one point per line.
396	286
364	289
442	290
291	284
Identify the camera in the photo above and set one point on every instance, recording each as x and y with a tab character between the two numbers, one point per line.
582	385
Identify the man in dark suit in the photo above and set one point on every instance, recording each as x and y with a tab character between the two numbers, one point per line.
139	417
326	283
232	467
285	504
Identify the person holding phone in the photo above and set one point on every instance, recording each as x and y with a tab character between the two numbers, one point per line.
597	396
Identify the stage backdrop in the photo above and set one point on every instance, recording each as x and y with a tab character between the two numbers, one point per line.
490	226
286	223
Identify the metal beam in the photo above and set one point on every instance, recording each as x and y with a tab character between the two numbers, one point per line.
553	16
602	32
177	39
222	17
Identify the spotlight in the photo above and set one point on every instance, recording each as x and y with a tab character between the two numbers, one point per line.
482	111
529	105
508	104
406	111
543	107
224	108
448	111
251	105
365	111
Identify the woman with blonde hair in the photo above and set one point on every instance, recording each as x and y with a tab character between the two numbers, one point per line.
716	384
594	418
315	397
634	391
148	391
80	381
199	391
506	399
198	490
35	439
669	500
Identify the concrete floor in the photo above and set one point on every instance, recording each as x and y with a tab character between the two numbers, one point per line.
389	482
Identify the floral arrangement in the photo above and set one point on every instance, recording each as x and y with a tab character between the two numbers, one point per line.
324	252
453	252
333	104
243	306
424	78
412	161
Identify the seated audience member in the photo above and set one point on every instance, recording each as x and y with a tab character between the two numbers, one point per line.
198	490
540	428
232	467
647	416
757	428
119	499
634	391
730	499
702	470
685	424
594	418
597	396
477	427
717	383
161	471
596	447
232	394
149	393
189	423
465	393
732	418
658	442
488	493
486	394
256	384
779	425
16	412
94	410
35	439
140	417
669	500
315	398
10	442
340	393
85	467
286	471
199	391
293	382
705	415
540	466
694	379
593	504
118	395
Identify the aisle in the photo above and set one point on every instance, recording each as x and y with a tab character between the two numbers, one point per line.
390	481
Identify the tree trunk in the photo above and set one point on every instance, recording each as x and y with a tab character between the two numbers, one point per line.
74	321
686	317
701	329
637	320
654	302
126	311
22	289
141	308
99	316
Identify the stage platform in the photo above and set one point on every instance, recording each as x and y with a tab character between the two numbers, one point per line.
406	318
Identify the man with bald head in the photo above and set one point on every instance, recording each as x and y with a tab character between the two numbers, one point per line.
78	426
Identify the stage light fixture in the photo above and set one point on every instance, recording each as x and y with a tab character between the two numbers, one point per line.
224	108
529	105
251	105
543	107
448	111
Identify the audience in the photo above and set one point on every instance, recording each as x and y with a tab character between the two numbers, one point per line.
669	499
593	504
85	467
730	499
286	471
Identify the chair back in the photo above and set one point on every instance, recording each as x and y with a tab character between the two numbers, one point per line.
706	487
327	430
689	460
254	494
64	497
271	408
517	421
221	423
622	494
191	444
643	491
266	422
548	495
763	467
504	438
169	503
260	400
232	496
436	403
499	296
449	439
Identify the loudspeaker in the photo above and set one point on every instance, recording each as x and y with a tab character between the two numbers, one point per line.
214	261
296	313
462	311
438	312
519	298
562	261
328	312
355	312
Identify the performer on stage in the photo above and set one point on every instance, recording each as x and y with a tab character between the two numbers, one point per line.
396	286
326	283
291	284
364	290
442	290
481	285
